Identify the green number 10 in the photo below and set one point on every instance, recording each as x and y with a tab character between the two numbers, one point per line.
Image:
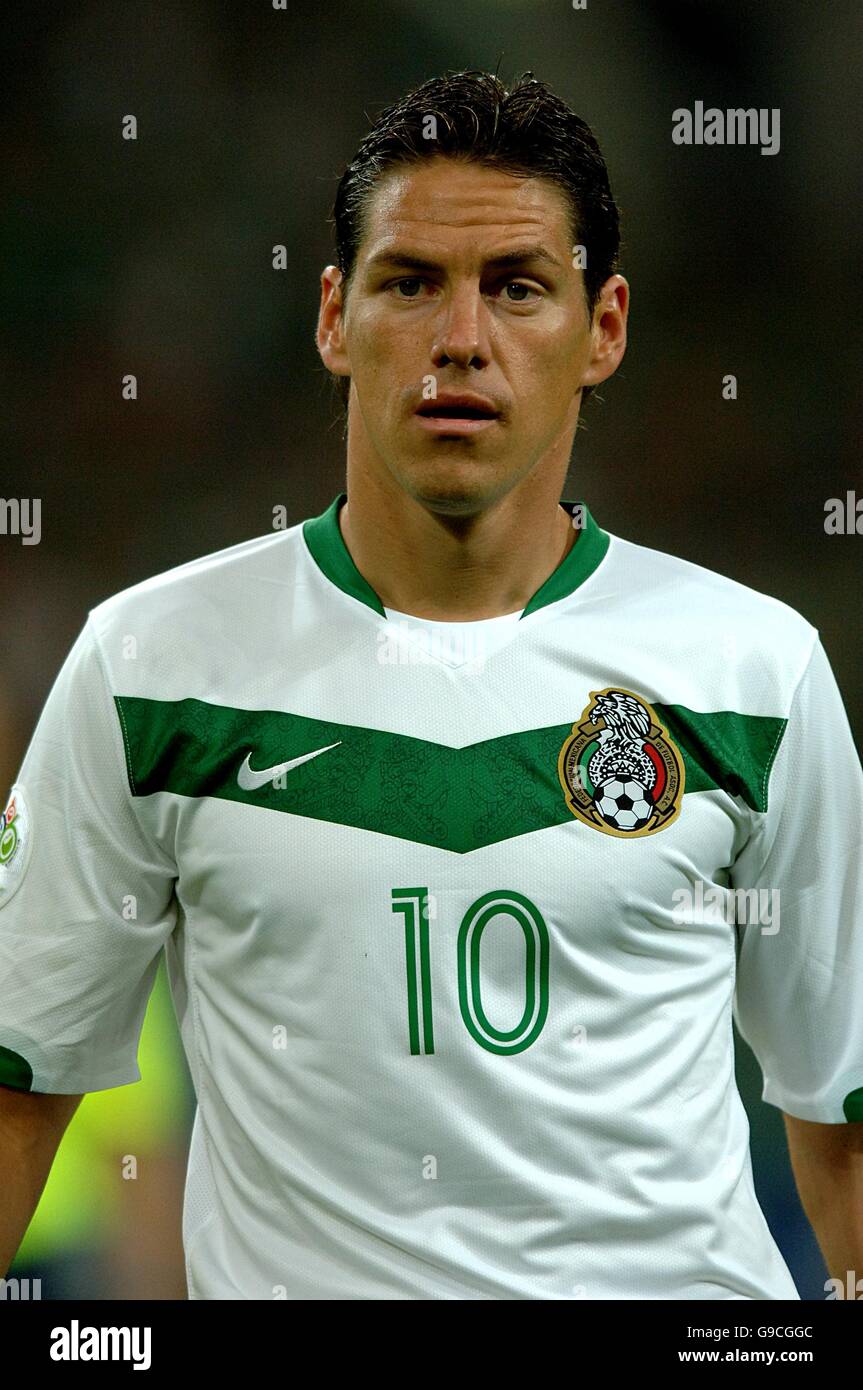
413	904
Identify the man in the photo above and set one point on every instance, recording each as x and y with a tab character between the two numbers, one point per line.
448	937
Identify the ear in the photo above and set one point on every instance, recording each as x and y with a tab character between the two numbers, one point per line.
608	331
330	336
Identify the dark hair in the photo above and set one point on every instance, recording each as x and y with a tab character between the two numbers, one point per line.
527	131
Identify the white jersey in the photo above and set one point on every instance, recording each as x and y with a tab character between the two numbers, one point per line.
455	916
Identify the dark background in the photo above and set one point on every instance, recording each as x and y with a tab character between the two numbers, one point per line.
154	257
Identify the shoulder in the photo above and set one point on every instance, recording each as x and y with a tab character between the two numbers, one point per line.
732	637
212	592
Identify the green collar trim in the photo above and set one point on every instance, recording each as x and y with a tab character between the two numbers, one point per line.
326	544
323	536
577	565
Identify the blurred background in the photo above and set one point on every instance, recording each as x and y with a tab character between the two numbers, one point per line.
154	257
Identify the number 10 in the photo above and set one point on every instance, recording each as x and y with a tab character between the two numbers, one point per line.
413	904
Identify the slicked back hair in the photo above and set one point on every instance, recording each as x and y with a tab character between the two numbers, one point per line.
527	131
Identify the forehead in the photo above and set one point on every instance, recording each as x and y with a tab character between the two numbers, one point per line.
447	203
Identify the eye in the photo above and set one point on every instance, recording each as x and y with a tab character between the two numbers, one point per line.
520	285
409	280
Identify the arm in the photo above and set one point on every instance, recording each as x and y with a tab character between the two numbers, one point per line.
797	994
75	971
144	1252
827	1160
31	1127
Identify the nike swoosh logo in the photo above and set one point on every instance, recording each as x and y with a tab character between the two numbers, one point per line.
250	781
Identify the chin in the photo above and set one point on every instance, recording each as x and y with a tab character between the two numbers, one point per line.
453	490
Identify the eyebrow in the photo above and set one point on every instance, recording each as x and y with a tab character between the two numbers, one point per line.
408	261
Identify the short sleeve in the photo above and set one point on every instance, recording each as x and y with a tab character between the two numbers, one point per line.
86	898
799	991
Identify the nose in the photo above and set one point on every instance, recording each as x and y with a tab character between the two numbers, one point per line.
463	337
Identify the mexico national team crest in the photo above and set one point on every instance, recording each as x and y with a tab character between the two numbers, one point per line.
619	769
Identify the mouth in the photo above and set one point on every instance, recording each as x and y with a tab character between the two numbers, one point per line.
456	415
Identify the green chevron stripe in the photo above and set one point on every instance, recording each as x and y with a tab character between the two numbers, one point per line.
724	749
458	799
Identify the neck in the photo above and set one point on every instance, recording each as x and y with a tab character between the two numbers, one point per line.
449	567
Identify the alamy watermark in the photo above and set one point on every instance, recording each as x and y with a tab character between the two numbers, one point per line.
737	907
851	1289
404	644
77	1343
20	1290
21	516
844	515
711	126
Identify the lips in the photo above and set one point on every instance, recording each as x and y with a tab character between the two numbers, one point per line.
449	406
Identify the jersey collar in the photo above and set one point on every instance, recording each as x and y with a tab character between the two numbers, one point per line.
326	544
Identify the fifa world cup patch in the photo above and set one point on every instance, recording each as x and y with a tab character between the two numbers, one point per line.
619	769
16	843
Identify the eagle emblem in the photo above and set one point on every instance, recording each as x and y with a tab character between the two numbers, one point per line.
619	769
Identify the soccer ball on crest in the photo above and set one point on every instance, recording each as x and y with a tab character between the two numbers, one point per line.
624	804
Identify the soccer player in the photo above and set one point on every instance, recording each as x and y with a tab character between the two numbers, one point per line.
461	820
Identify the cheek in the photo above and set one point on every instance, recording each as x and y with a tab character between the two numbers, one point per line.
550	354
546	376
380	366
544	386
381	347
